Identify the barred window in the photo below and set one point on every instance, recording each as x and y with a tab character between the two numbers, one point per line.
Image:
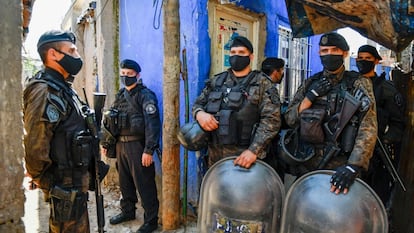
295	52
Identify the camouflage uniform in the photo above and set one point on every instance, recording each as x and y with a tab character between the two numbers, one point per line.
52	116
367	131
262	94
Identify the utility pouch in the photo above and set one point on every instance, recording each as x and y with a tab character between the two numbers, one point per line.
62	203
137	124
82	148
227	131
214	102
122	120
311	129
235	100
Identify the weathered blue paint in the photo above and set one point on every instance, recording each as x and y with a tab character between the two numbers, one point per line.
140	41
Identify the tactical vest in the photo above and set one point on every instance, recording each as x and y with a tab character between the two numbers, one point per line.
332	103
130	117
71	145
229	103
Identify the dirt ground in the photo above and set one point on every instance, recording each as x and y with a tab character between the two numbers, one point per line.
37	214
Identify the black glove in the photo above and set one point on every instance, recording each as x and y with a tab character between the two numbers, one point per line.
345	176
318	88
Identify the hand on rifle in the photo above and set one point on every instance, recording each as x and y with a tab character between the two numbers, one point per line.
343	178
318	88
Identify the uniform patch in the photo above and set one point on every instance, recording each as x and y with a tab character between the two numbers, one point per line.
150	109
52	113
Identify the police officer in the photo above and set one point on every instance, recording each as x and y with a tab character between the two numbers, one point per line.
390	116
138	130
274	68
340	139
55	133
240	108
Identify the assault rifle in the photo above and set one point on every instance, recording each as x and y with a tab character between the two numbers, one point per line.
334	127
93	120
386	159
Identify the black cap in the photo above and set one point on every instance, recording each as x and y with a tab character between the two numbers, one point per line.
334	39
273	63
55	36
370	49
130	64
241	41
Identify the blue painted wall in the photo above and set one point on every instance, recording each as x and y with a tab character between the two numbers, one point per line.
141	41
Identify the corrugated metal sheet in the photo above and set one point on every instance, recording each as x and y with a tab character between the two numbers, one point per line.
388	22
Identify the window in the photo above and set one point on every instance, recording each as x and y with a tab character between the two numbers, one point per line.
295	53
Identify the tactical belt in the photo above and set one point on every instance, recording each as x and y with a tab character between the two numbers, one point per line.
129	138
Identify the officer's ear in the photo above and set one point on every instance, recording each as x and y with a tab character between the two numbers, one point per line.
377	61
346	53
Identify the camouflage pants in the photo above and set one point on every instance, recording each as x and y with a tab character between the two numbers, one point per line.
218	152
78	226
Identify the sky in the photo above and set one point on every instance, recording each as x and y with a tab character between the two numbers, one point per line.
46	15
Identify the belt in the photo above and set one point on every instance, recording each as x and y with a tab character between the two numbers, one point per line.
129	138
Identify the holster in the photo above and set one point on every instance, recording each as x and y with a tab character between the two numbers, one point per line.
66	205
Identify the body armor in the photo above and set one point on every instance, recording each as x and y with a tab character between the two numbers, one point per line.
235	199
71	145
311	208
236	115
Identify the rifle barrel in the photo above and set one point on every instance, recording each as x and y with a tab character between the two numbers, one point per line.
386	159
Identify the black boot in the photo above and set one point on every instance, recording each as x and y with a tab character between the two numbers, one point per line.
122	217
148	227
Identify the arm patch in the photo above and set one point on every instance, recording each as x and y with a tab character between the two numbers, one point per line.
150	109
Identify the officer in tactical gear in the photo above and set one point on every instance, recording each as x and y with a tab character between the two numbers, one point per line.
334	113
135	123
58	146
390	115
274	68
240	108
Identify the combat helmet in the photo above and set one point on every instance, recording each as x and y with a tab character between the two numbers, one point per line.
290	150
192	136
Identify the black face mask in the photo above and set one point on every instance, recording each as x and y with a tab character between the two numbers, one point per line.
281	78
238	63
128	81
332	62
72	65
365	66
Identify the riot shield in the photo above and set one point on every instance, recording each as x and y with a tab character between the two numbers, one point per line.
235	199
311	208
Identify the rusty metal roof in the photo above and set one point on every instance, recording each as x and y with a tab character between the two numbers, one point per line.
388	22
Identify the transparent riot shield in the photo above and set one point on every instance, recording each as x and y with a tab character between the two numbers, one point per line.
311	208
235	199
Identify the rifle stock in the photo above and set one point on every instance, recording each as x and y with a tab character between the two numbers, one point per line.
386	159
335	126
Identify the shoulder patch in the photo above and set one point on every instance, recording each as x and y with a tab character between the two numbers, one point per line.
57	101
52	113
150	109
